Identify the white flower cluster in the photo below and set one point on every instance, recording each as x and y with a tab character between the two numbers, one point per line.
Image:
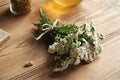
76	47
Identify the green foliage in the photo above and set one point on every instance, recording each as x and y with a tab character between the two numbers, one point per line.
59	30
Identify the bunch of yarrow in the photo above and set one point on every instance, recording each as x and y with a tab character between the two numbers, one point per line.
71	44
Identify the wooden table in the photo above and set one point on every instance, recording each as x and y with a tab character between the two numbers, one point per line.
23	47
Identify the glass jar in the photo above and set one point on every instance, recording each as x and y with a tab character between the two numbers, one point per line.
67	3
19	7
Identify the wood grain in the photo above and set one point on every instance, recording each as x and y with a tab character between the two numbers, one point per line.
3	2
23	47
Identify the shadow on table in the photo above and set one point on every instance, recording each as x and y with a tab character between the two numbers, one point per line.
71	70
6	17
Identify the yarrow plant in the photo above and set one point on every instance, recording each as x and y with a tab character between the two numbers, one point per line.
71	44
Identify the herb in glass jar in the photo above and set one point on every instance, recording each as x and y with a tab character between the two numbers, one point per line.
20	6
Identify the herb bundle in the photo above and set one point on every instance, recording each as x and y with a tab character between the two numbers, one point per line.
71	44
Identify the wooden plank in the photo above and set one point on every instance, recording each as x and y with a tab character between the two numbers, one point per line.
106	58
23	47
3	2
